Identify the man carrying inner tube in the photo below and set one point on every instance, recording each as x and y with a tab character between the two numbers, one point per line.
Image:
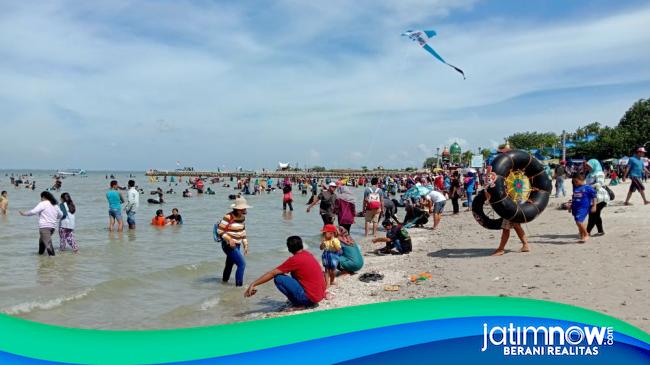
506	226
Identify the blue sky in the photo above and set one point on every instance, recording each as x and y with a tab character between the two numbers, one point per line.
136	85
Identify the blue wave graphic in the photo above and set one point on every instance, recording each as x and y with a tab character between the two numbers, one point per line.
455	340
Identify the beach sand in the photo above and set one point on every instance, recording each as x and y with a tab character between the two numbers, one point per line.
608	274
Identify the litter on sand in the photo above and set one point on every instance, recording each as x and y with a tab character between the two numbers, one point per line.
391	288
371	276
420	277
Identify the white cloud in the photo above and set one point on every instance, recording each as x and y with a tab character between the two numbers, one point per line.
335	78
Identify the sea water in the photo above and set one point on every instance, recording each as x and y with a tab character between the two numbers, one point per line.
153	277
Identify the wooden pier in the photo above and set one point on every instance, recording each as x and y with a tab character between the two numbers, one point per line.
336	174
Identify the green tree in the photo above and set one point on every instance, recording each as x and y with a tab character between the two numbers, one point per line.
430	163
635	125
318	169
466	157
531	140
486	153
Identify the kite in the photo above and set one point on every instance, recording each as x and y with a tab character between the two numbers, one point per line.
422	37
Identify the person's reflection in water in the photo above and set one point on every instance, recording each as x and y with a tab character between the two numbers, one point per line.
287	215
131	235
113	236
46	271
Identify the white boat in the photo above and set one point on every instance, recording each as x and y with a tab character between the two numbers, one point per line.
71	172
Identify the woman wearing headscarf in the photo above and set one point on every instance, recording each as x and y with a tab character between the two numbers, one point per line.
351	260
345	207
596	178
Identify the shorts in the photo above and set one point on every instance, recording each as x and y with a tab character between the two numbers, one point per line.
130	218
115	213
580	215
330	260
439	207
636	185
506	224
372	216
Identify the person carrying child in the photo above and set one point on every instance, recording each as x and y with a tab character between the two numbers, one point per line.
331	247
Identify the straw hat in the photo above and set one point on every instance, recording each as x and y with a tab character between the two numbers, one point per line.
240	203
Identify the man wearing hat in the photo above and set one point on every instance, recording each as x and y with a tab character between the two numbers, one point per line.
231	232
635	169
327	200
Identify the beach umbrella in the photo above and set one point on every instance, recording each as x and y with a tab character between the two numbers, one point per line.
417	191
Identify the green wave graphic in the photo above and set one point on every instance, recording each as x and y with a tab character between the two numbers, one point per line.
18	336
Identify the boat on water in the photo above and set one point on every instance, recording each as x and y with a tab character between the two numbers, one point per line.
72	172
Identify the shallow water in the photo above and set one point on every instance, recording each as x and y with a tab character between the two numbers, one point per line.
149	278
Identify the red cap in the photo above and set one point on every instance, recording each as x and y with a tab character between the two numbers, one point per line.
329	228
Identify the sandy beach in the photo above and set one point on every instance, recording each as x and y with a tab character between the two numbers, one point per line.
609	274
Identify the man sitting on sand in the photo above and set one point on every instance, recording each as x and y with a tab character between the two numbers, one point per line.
306	285
397	237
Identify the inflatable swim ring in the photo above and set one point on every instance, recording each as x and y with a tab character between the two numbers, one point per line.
518	188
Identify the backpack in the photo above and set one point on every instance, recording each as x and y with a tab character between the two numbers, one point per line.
405	240
374	199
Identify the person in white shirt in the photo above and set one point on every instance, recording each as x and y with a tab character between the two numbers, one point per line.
437	206
132	204
48	218
67	223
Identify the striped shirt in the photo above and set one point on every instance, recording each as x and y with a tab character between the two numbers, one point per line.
234	229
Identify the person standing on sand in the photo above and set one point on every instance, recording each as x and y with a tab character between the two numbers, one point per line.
327	200
559	174
132	204
583	202
331	247
231	232
455	192
305	287
596	178
67	223
48	218
373	205
437	206
4	202
635	169
115	200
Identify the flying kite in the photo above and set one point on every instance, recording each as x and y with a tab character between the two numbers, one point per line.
422	37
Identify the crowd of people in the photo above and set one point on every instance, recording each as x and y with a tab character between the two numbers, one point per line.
301	278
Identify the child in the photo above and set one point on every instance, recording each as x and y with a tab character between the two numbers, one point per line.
331	247
614	179
159	219
397	237
582	202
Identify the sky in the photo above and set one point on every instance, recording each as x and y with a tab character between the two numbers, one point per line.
133	85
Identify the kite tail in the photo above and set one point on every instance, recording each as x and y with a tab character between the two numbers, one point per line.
457	69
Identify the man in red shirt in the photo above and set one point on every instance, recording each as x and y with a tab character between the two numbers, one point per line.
306	285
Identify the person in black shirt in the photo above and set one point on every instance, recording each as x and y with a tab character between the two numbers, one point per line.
174	218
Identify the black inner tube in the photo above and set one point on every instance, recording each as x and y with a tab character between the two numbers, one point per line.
528	201
481	216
